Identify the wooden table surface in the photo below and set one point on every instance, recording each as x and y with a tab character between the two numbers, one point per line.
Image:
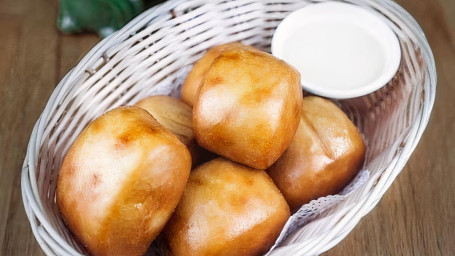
415	217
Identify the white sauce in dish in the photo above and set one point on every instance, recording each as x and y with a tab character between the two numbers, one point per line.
335	55
341	50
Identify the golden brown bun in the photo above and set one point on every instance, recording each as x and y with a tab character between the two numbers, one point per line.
177	117
227	209
200	68
325	154
120	182
248	107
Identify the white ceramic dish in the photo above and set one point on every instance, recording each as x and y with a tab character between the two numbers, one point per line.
341	50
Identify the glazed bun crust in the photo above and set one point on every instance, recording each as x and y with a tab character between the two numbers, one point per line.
193	80
227	209
248	107
120	182
325	154
177	117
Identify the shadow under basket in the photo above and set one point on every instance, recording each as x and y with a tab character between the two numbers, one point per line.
152	55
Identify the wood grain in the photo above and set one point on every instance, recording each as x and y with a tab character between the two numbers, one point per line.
27	77
415	217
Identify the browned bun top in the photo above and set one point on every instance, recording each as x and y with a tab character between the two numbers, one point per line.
193	80
325	154
248	107
227	209
120	182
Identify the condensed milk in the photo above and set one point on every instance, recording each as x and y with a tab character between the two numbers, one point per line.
341	50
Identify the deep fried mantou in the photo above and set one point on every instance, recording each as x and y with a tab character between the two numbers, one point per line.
120	182
248	108
227	209
177	117
325	154
193	80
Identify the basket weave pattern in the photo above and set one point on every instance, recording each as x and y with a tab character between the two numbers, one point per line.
152	55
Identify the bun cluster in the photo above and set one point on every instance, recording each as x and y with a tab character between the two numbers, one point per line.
219	172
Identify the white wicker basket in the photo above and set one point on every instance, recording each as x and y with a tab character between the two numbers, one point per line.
152	55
